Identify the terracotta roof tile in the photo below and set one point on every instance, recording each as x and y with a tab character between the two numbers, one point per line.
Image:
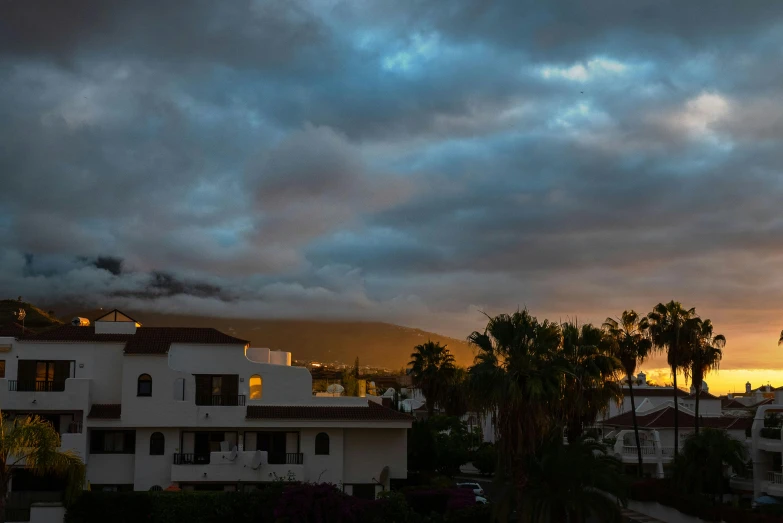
703	395
664	418
655	392
147	340
372	412
105	411
13	330
727	403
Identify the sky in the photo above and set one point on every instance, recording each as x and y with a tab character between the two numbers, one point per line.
418	162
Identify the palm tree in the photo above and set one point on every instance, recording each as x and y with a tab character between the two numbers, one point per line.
631	346
706	353
669	328
705	457
517	377
590	385
569	483
780	340
432	366
31	443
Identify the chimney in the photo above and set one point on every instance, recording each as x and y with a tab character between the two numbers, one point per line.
747	388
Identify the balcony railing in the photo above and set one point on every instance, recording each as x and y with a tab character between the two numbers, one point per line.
35	386
74	427
667	451
286	458
775	477
220	400
192	459
646	450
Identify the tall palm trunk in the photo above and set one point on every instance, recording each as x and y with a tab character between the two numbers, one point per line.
676	401
698	393
635	426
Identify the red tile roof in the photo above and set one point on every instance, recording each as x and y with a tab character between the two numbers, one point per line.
664	418
655	392
147	340
105	411
703	395
372	412
13	330
727	403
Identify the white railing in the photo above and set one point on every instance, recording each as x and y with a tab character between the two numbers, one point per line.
646	450
667	451
775	477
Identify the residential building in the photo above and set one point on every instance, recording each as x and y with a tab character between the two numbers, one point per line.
767	448
656	434
149	407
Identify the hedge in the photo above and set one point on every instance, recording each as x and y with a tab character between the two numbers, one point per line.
279	504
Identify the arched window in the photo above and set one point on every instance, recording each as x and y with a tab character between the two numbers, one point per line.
255	387
157	444
322	444
156	488
144	387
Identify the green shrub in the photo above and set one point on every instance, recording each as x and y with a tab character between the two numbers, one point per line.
485	459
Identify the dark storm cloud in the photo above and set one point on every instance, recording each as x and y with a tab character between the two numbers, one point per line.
412	161
239	33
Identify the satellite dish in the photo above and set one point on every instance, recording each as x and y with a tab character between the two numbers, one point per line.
257	460
233	454
384	477
335	388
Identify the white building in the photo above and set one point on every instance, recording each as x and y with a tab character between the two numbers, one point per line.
150	407
767	449
656	434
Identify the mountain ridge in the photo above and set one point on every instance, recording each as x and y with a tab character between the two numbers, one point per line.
375	343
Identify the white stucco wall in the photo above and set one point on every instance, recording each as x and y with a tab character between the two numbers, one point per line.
110	469
368	451
154	470
47	513
323	469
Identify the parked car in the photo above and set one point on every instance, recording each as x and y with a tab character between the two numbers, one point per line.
477	490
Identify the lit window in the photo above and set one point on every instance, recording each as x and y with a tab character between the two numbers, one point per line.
255	387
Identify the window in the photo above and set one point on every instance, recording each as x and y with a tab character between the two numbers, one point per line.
179	389
255	387
144	386
157	444
322	444
2	368
216	389
113	442
156	488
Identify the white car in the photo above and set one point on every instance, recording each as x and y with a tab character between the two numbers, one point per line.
477	490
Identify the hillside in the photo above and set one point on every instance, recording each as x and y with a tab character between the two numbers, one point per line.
36	319
375	343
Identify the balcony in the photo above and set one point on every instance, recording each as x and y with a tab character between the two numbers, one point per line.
220	467
191	459
220	400
650	453
36	386
69	395
774	483
276	458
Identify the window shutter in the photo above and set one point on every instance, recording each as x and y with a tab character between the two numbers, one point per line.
231	388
